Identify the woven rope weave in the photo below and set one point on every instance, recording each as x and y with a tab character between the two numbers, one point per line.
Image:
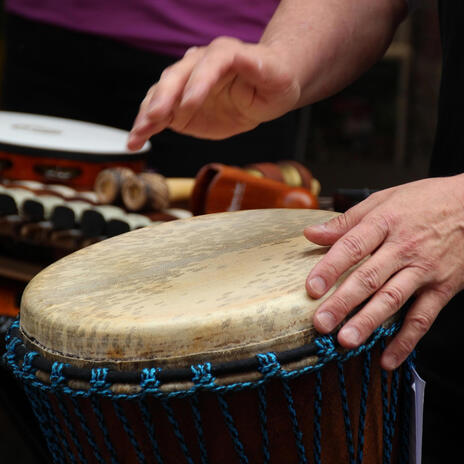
41	393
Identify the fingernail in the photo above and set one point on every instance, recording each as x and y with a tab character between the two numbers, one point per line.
132	143
318	285
390	361
350	335
319	227
326	320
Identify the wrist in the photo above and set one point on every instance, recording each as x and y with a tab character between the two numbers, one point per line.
327	45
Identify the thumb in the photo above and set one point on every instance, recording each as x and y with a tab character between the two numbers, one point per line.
329	232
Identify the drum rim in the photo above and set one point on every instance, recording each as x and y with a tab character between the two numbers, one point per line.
294	361
166	375
24	150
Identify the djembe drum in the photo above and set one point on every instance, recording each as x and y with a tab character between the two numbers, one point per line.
192	341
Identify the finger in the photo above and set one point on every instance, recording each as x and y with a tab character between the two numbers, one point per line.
349	250
136	137
386	302
157	107
329	232
357	288
417	322
146	128
211	73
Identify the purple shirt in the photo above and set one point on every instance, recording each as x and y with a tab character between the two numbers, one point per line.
163	26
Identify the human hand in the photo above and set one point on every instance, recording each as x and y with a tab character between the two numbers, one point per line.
217	91
414	235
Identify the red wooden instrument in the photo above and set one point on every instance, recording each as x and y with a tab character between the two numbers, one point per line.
56	150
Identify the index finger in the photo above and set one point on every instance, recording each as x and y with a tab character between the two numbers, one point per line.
347	251
162	98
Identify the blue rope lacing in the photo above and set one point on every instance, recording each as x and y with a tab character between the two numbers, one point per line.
40	394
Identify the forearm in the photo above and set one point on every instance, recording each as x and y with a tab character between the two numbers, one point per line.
328	44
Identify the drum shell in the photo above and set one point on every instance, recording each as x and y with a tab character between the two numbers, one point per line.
244	409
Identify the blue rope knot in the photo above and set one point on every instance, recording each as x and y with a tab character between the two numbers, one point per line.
13	325
56	375
10	347
269	366
98	382
27	362
202	375
149	383
326	345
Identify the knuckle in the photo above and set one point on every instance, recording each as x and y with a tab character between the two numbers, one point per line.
404	346
167	72
342	221
191	50
367	322
331	271
369	278
224	41
353	246
445	291
410	250
340	305
420	323
426	265
389	219
393	296
380	223
375	196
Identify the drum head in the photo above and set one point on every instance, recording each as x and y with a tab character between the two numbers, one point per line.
214	287
37	134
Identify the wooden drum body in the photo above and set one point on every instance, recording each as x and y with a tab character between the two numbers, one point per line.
49	149
192	341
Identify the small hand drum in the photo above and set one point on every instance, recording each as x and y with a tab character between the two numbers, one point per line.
192	342
49	149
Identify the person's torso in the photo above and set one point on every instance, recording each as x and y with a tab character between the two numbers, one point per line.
448	155
437	350
163	26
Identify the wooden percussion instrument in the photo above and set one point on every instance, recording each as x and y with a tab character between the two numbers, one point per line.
289	172
108	184
220	188
50	149
192	341
153	192
69	215
12	200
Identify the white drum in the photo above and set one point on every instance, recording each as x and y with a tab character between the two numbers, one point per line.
51	149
